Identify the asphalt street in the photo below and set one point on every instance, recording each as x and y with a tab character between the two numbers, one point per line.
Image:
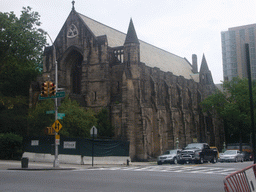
136	177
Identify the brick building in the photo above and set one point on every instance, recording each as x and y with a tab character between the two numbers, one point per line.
152	95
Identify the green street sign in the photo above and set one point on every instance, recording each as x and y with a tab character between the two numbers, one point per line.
58	95
50	112
61	115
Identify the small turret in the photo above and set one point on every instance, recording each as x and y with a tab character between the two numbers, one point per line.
131	36
131	46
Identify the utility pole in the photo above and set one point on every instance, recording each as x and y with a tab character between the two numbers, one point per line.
247	53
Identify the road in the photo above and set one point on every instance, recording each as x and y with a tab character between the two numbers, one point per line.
194	178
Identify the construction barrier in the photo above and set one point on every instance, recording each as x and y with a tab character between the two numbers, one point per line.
241	181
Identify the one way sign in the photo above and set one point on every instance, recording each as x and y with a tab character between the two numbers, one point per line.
56	126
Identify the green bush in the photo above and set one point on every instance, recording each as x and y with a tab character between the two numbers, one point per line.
10	146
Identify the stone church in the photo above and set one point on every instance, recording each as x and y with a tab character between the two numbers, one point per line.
152	95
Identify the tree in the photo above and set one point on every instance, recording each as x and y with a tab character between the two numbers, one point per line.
76	123
38	120
21	50
104	126
233	106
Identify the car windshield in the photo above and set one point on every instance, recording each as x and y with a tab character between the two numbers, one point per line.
194	146
170	152
230	152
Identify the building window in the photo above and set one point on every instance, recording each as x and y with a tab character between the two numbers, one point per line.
119	54
242	34
72	31
118	86
128	62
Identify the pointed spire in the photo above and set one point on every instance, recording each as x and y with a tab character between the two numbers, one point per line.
205	75
131	36
204	65
73	5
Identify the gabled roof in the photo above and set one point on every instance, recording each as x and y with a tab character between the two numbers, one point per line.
150	55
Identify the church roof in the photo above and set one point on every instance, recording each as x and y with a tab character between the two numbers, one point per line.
150	55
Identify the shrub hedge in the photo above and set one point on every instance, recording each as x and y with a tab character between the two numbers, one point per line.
10	146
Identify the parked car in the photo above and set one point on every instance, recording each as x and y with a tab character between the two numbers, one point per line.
216	149
246	156
169	156
197	153
231	156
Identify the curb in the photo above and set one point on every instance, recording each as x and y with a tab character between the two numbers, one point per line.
40	169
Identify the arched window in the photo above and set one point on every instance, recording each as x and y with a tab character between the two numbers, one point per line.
77	74
74	71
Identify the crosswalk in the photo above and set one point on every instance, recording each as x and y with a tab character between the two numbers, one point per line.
174	169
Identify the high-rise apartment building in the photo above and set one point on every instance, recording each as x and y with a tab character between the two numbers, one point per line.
233	51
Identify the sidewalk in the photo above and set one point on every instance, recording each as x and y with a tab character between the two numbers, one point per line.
37	166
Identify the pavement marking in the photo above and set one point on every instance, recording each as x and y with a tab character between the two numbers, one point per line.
173	169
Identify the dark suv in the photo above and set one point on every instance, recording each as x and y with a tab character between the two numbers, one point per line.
197	153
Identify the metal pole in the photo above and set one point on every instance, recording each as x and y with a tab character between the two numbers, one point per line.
92	145
251	99
56	160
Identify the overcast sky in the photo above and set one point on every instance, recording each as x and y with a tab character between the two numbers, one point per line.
182	27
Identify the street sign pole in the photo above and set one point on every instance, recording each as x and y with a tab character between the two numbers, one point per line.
92	145
93	132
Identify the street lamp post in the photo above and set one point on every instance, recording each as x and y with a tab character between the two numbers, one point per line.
177	143
56	160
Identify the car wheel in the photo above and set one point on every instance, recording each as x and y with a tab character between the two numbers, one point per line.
175	161
201	160
214	160
159	163
242	160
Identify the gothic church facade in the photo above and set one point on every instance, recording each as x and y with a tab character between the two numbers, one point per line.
153	96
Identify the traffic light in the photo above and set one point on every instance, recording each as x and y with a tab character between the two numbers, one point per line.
49	131
52	89
44	92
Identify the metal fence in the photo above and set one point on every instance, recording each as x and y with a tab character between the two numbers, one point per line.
241	181
77	146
